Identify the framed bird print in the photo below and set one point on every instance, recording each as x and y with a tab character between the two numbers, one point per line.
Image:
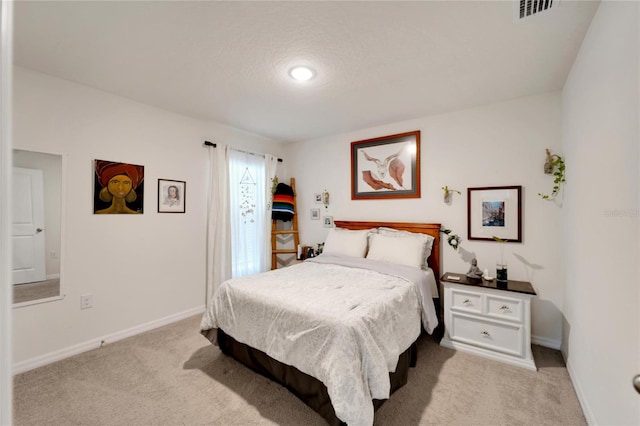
386	167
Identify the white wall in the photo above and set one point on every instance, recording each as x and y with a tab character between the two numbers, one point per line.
494	145
6	59
140	269
601	339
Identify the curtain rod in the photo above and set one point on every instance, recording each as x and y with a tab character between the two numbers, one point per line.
207	143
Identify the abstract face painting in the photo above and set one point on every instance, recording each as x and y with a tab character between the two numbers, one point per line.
118	188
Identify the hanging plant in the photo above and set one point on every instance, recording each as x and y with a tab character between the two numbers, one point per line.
448	193
554	165
452	239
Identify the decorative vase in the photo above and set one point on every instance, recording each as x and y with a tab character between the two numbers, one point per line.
501	273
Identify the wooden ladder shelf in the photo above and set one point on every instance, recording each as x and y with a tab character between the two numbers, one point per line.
275	232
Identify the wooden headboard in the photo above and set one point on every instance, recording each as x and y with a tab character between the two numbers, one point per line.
432	229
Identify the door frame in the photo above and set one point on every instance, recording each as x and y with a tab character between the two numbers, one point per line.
6	289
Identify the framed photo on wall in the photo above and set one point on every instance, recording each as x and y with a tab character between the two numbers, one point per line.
315	214
327	221
386	167
172	195
495	211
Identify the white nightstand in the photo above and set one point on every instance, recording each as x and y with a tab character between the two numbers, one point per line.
487	320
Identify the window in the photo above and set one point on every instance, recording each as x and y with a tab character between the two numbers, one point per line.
248	205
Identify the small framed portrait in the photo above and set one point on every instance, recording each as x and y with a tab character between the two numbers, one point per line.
328	221
317	198
172	196
315	214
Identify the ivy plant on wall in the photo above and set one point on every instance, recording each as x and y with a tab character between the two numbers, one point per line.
554	165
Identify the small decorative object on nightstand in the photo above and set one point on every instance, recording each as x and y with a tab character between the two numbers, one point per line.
486	275
487	320
474	273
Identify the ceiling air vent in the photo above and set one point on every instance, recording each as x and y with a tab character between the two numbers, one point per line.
531	7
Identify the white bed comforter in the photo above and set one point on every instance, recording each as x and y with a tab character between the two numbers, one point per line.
344	321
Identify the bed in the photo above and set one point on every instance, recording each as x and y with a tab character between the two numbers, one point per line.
338	330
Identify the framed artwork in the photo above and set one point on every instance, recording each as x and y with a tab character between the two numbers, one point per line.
118	188
328	221
315	214
495	211
172	196
386	167
317	198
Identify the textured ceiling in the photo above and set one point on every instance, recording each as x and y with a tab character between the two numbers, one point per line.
377	62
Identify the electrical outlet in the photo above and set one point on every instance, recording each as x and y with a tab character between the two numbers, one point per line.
86	301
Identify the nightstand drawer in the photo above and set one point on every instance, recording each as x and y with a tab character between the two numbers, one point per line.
504	308
502	337
466	301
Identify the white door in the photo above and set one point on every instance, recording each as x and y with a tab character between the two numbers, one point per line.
27	233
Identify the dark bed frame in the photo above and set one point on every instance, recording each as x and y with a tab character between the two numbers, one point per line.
307	388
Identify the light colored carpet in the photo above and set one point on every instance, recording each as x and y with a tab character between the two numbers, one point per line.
174	376
34	291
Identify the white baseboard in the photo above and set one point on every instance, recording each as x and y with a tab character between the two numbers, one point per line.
61	354
53	276
586	410
546	342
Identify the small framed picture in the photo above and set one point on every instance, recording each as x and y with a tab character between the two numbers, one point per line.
172	196
317	198
328	221
315	214
495	212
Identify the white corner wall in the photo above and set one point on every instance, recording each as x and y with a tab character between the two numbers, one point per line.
143	270
493	145
6	79
600	233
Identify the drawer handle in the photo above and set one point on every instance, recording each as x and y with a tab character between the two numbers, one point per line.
466	301
504	308
485	334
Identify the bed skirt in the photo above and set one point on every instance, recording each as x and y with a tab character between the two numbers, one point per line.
307	388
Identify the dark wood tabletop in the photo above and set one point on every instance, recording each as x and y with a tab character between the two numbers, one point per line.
511	285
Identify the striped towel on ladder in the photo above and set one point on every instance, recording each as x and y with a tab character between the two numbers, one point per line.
283	203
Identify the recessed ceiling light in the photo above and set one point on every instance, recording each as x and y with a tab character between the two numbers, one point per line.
302	73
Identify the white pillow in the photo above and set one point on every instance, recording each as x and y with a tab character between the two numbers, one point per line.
346	242
401	251
427	240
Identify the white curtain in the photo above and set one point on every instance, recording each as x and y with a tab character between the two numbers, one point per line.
250	204
218	226
271	165
239	216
